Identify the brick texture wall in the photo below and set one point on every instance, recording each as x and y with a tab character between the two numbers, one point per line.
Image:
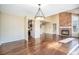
65	19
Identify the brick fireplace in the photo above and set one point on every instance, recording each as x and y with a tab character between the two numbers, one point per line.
65	24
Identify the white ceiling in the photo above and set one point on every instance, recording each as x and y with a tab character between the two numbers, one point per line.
31	9
75	11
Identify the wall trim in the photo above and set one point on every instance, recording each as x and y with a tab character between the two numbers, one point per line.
13	41
65	27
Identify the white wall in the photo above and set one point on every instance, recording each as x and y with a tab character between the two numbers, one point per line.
11	28
26	27
42	29
49	28
33	29
0	29
51	20
36	29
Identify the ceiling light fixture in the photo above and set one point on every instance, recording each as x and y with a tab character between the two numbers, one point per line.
39	15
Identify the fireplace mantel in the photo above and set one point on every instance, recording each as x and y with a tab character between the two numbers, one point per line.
65	27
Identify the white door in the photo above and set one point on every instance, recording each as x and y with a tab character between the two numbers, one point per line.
54	28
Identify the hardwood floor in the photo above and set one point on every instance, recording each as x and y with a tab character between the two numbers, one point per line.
46	46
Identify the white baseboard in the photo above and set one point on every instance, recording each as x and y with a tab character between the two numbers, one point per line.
10	41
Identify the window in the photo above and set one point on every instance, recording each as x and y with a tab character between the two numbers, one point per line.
76	24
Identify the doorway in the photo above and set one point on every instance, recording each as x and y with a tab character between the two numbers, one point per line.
29	28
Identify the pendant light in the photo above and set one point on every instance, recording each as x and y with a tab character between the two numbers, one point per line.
39	15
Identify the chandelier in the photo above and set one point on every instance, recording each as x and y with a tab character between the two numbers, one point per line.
39	15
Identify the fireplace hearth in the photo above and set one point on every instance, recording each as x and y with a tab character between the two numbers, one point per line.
65	32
